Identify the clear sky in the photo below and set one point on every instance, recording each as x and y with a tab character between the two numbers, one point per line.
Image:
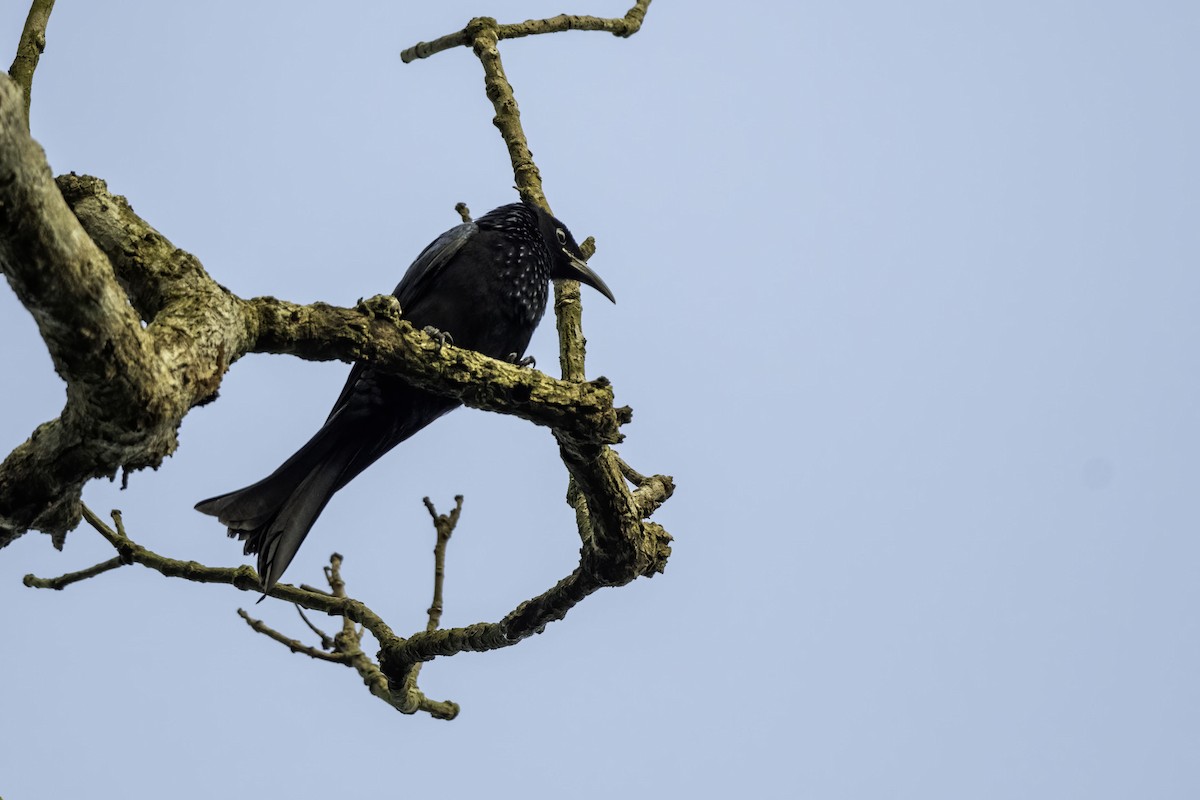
907	303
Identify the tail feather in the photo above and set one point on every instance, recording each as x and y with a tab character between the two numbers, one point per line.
278	541
274	515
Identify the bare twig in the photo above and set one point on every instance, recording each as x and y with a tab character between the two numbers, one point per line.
30	49
258	626
346	644
63	581
243	577
326	639
444	525
463	211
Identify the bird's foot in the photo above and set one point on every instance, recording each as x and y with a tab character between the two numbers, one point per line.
527	361
441	336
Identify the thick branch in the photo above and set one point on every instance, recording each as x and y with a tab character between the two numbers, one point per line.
94	338
399	658
375	334
127	397
170	287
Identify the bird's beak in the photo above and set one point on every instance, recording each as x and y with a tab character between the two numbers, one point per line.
584	274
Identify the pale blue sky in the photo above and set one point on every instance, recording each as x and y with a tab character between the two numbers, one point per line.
907	302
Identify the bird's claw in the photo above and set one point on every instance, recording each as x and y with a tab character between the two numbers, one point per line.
440	336
527	361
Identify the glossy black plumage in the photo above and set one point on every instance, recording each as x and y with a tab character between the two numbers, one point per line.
485	283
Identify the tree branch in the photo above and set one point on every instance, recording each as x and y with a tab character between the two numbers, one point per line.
398	657
294	645
63	581
243	577
91	272
30	49
444	525
618	545
621	26
326	639
195	330
346	644
94	338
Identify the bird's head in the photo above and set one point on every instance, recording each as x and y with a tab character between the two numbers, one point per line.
568	263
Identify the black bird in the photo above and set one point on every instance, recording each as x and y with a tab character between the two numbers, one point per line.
483	284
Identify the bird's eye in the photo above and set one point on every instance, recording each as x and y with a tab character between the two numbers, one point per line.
562	235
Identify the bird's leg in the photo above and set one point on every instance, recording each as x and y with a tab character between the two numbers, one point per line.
441	336
527	361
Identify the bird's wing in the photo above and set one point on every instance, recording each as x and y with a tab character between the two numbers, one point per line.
433	259
421	274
